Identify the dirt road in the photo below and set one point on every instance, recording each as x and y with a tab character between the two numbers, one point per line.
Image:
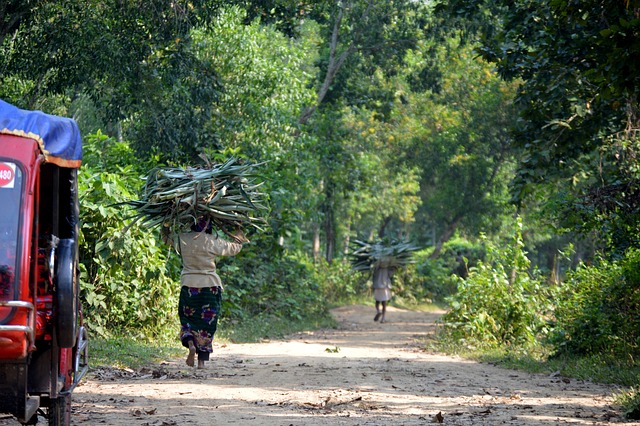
363	373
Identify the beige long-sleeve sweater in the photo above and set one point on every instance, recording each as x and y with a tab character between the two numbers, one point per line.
198	251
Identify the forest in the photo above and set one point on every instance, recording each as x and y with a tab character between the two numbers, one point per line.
499	138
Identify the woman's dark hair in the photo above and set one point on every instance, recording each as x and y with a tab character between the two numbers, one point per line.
203	224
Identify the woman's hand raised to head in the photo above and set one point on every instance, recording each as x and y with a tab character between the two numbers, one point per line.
240	237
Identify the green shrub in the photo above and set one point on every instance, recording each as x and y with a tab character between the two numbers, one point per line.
438	276
438	282
339	282
598	309
501	302
630	401
458	255
262	283
128	279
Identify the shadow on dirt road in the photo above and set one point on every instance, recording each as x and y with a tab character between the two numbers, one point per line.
363	373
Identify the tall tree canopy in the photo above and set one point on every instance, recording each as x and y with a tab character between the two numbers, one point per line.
457	133
133	58
579	63
346	101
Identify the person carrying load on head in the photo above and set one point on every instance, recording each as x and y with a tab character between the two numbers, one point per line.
201	287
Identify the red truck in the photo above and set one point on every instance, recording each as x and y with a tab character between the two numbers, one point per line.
43	341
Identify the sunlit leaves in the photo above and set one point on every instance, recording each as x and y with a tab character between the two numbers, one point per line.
459	138
579	66
126	278
266	80
501	303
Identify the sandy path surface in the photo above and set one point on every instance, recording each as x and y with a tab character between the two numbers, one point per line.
363	373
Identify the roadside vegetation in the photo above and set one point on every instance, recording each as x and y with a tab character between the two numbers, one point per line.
584	326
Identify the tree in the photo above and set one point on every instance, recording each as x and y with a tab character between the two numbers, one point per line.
133	58
457	133
579	104
364	43
266	79
385	192
362	36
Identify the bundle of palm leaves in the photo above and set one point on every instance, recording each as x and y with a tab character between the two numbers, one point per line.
367	256
225	194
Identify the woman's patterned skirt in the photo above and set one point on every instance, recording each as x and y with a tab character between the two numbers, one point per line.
199	309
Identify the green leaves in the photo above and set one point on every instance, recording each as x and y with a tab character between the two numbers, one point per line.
126	280
597	309
135	61
501	302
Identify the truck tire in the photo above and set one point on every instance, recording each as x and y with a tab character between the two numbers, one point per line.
60	411
66	297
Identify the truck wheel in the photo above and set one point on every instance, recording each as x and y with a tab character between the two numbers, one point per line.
60	411
66	297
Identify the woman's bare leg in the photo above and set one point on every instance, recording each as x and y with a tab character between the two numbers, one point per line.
192	354
384	311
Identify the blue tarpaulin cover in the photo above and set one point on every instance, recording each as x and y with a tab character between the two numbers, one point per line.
58	137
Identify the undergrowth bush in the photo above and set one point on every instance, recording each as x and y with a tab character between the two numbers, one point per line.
437	280
438	276
339	282
630	401
260	283
458	255
270	292
502	302
127	278
598	309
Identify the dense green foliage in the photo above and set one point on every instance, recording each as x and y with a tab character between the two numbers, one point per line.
278	286
457	134
133	59
128	278
502	302
578	102
440	276
598	309
578	130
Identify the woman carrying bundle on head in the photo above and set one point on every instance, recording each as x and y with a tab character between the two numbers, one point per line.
382	290
201	287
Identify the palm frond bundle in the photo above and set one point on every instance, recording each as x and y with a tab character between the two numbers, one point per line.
226	194
367	256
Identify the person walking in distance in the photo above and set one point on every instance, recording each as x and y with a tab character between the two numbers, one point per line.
382	290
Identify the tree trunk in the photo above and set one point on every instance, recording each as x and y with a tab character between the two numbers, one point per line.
445	236
330	235
329	220
383	227
335	61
